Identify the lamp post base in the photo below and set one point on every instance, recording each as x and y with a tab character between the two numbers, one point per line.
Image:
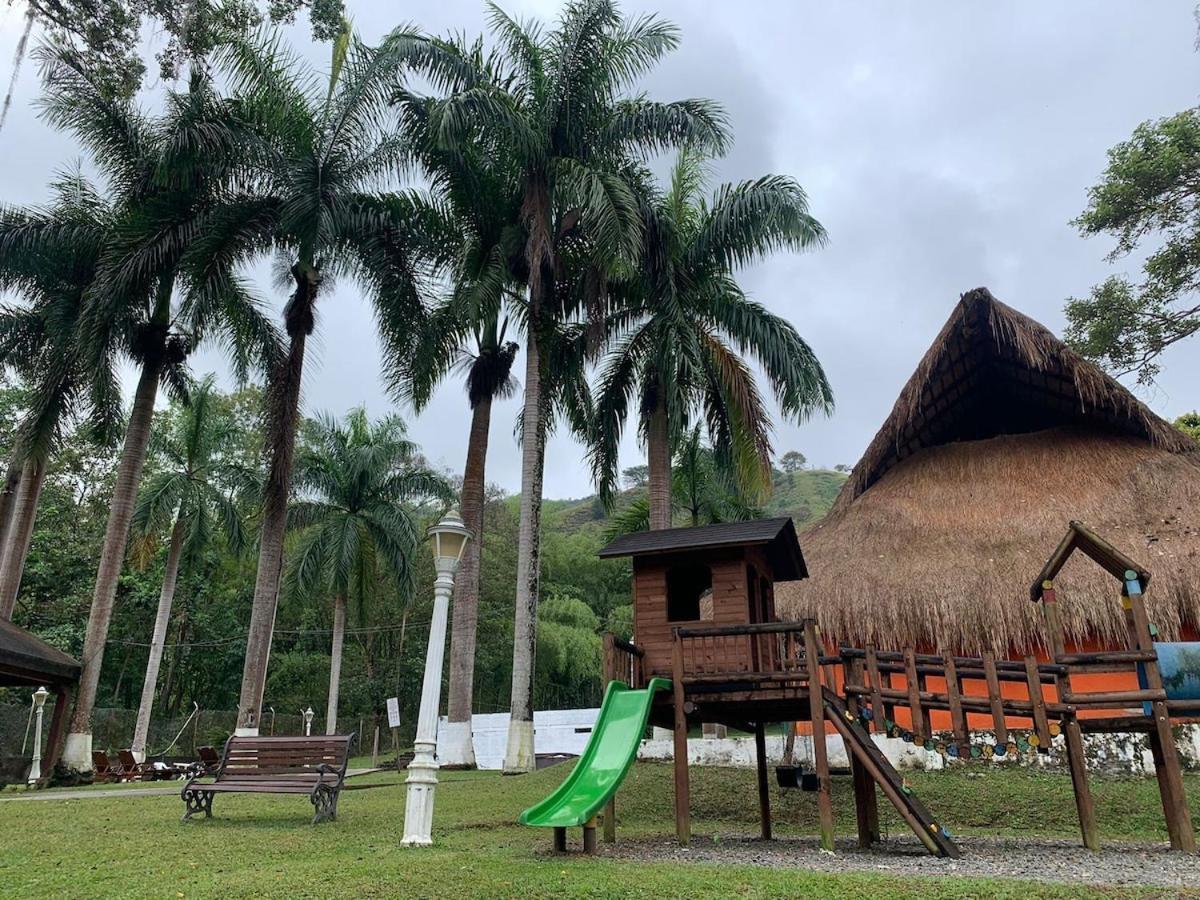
418	806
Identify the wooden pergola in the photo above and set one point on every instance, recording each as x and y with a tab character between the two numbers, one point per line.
28	661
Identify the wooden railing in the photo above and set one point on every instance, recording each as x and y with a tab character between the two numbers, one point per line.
623	661
766	651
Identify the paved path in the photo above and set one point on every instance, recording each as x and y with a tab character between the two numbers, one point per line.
106	793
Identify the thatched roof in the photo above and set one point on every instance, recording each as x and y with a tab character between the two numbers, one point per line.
1000	438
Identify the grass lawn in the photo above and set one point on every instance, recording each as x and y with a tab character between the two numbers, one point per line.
260	845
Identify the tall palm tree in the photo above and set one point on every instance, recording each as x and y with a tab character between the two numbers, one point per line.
191	496
566	119
475	187
315	159
50	257
356	483
167	175
686	325
702	488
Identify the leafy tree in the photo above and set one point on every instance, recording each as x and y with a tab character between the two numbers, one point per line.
50	256
192	497
1189	423
792	461
842	467
636	476
684	325
1150	191
567	123
356	482
105	35
312	160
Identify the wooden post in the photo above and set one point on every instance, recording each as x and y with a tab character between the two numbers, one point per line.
994	697
816	703
609	673
1162	741
764	791
1076	759
878	713
683	825
958	719
914	696
1079	781
1034	682
375	749
589	836
866	810
560	840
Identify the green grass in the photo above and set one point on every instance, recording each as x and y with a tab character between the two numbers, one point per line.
260	845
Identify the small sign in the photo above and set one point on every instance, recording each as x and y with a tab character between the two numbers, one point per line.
393	706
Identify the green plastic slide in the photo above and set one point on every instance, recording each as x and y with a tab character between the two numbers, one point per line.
605	761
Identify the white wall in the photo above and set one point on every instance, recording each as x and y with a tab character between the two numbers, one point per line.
554	731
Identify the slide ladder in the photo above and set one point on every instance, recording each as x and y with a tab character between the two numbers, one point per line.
872	759
605	761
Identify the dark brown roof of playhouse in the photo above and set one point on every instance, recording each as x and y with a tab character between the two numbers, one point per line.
778	536
1001	438
27	659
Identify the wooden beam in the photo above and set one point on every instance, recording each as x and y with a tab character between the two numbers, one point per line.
878	714
995	699
958	718
816	705
683	824
764	789
1077	762
916	713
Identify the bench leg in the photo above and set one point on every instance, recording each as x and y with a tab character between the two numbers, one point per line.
197	801
324	801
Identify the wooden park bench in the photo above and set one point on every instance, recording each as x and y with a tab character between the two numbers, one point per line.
277	765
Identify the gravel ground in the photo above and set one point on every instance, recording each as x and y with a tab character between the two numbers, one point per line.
1042	860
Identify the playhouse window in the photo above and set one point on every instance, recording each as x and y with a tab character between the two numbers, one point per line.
685	586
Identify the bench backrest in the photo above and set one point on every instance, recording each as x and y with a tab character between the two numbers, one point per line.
284	758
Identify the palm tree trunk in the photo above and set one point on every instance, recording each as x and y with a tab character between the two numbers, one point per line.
335	662
658	458
8	496
519	755
458	748
161	621
77	753
20	534
283	409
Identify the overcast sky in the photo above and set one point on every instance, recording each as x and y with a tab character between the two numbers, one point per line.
944	146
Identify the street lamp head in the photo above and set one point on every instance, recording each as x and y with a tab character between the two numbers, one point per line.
450	538
308	714
39	697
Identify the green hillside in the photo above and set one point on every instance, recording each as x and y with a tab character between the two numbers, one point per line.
805	495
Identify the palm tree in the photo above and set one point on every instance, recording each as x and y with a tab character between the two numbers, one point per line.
191	496
49	256
685	325
167	175
702	487
563	115
314	160
356	482
475	188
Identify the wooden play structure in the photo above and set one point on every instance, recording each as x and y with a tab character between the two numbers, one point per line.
704	618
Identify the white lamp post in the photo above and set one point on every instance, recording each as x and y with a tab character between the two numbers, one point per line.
450	536
308	717
39	701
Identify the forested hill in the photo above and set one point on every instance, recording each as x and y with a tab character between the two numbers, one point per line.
805	495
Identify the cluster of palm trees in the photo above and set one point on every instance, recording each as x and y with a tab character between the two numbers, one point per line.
479	195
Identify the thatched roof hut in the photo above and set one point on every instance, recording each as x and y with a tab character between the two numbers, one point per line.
1000	438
